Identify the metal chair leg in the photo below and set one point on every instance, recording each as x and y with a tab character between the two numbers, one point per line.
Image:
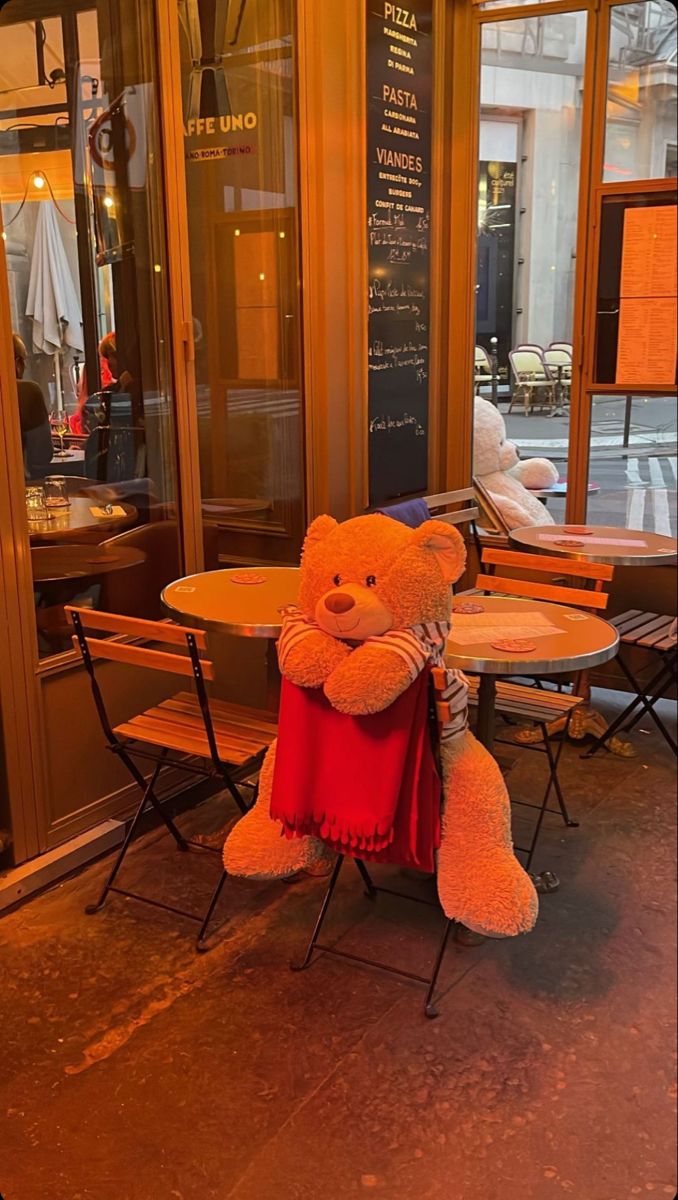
662	680
430	1009
321	916
151	796
371	891
200	940
554	760
147	793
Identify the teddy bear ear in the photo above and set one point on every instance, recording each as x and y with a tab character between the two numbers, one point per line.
447	546
318	530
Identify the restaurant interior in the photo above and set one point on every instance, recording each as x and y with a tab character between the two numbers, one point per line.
338	377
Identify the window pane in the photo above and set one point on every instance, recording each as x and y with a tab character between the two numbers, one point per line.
240	137
529	151
632	470
82	219
640	135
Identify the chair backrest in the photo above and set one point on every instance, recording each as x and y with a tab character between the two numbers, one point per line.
459	516
491	517
562	346
193	640
527	364
530	346
482	360
546	589
557	357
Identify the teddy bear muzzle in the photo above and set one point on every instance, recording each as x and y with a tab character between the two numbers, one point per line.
354	612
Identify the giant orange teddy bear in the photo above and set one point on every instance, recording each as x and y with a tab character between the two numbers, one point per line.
374	598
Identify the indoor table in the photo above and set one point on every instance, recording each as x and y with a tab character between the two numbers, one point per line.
69	524
564	639
61	564
244	602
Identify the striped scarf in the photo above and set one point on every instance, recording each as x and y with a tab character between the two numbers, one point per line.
418	646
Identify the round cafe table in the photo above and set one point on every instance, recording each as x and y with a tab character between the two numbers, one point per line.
53	565
71	523
582	641
598	543
243	602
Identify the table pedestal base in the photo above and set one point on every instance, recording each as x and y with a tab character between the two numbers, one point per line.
585	722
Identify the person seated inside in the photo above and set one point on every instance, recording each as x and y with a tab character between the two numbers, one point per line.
36	435
108	367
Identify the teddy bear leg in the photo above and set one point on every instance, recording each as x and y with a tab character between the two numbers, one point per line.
256	848
480	881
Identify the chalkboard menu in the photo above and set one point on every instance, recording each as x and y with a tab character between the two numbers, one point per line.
399	70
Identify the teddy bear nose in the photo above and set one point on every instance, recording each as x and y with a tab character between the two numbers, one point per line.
339	602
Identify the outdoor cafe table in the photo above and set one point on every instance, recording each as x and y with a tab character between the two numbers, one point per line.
599	543
244	602
578	642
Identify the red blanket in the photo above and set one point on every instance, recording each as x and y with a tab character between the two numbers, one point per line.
367	786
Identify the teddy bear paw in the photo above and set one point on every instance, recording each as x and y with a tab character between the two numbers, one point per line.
492	895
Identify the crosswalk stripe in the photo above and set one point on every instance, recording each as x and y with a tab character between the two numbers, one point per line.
632	472
672	464
662	520
635	508
656	476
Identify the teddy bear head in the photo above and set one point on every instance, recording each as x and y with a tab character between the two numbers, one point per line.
491	449
369	575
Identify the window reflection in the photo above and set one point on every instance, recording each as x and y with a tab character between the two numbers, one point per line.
632	463
239	126
640	135
82	221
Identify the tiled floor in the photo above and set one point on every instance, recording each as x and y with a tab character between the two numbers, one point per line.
132	1069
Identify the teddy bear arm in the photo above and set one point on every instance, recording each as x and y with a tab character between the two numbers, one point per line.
313	659
368	681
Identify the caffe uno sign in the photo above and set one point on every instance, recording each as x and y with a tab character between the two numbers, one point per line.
204	136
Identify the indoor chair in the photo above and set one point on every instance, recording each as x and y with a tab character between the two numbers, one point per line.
657	633
482	367
176	733
550	711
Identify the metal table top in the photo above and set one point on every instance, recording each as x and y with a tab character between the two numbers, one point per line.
585	640
244	601
67	524
599	543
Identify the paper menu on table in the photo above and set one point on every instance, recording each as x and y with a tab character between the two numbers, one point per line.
472	628
584	541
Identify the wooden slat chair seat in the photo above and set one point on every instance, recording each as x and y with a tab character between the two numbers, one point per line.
187	732
550	711
655	632
439	714
178	723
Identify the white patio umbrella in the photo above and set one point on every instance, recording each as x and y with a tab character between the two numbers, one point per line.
52	303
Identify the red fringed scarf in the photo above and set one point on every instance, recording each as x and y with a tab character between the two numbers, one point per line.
367	786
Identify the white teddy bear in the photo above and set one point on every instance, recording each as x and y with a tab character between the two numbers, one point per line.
496	464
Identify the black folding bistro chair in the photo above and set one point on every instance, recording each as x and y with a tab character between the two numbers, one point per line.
209	739
655	632
437	711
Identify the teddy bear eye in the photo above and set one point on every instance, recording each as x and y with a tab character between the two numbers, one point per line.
337	581
371	581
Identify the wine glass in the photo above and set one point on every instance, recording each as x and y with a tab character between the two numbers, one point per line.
58	420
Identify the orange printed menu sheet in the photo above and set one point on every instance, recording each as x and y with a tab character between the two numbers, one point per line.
647	338
649	266
646	347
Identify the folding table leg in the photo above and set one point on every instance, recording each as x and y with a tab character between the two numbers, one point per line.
321	915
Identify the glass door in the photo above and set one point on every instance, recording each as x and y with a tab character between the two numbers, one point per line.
89	417
238	90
